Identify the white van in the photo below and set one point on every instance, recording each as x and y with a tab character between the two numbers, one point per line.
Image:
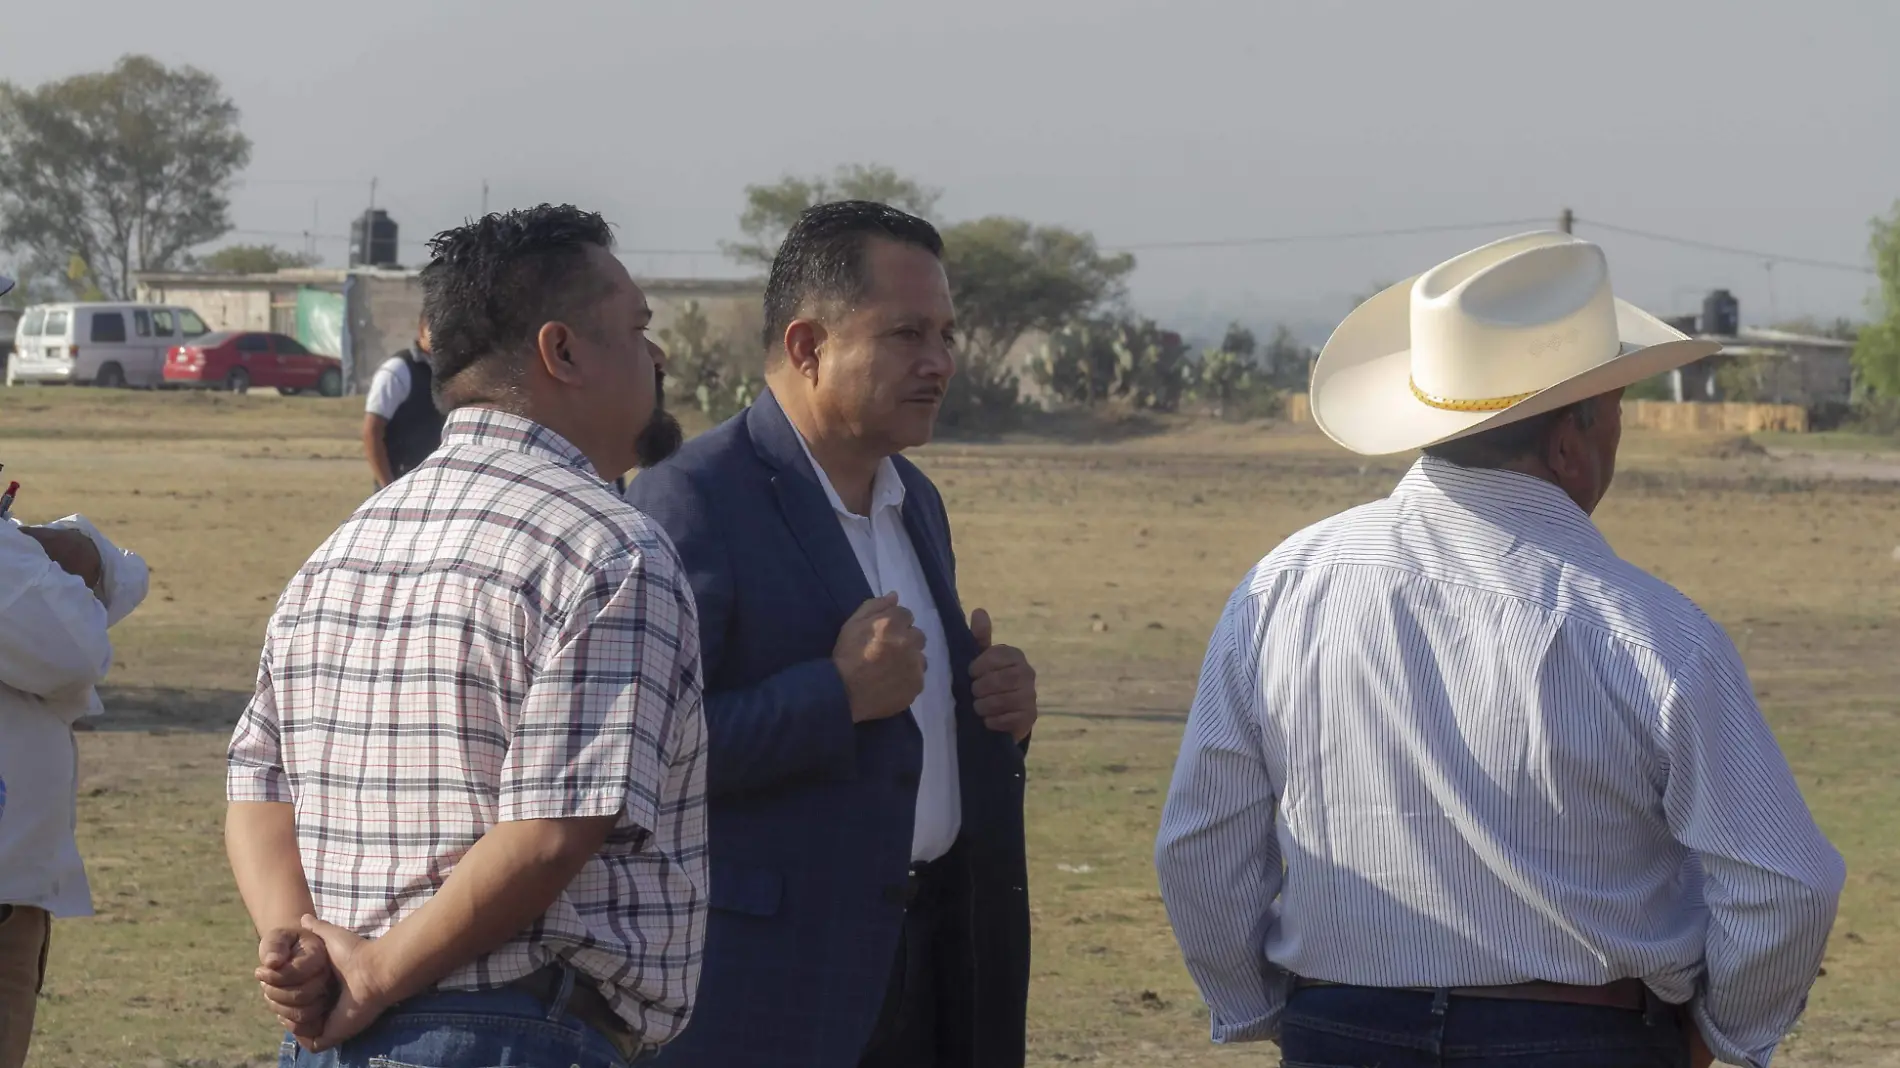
99	344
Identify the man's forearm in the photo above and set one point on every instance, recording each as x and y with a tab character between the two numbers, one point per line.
376	449
260	837
1766	937
504	883
798	722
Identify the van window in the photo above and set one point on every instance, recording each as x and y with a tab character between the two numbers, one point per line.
162	323
142	322
108	326
190	325
30	326
56	323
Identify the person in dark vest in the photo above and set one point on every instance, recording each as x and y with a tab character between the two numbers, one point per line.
401	425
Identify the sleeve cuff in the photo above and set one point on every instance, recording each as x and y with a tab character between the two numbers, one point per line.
251	783
561	806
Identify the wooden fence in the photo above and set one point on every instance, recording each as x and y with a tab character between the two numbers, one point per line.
1688	417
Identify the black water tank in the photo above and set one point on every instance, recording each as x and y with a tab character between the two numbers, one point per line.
1721	313
373	240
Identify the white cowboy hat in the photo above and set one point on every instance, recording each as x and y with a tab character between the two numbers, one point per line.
1513	329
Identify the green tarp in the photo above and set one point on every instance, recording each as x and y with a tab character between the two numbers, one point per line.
320	321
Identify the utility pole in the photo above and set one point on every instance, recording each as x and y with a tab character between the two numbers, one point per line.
1567	221
372	194
484	198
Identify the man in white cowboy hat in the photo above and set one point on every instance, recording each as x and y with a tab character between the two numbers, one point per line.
1458	780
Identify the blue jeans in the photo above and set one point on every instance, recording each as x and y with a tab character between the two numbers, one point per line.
503	1028
1340	1026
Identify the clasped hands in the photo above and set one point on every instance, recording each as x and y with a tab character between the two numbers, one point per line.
320	982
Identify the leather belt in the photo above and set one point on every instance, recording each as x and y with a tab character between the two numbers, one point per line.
1628	994
585	1003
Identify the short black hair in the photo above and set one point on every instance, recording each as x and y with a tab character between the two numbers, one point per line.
821	260
1513	441
493	283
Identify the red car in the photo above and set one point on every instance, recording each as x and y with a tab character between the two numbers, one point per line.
237	360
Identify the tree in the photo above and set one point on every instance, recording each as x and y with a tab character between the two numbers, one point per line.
255	259
770	210
125	169
1009	278
34	282
1288	363
1239	342
1877	353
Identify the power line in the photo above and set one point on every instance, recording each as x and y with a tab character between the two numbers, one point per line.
1346	235
1706	246
355	183
1276	239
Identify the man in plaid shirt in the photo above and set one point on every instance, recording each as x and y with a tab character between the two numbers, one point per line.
467	801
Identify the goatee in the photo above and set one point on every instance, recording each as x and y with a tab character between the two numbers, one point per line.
663	435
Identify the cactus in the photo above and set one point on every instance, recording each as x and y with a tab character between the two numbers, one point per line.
705	368
1098	360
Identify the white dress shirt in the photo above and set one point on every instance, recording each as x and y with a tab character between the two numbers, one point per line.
53	651
890	564
388	388
1449	738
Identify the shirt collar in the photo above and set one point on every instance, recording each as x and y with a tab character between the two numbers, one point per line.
497	429
887	489
1507	499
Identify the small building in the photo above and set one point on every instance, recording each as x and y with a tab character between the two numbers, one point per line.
363	315
1764	366
1773	367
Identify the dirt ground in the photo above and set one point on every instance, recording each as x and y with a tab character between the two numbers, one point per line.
1107	561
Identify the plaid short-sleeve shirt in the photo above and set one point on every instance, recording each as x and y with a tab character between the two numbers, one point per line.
497	636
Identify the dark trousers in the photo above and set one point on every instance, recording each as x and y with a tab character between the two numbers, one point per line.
1354	1025
907	1035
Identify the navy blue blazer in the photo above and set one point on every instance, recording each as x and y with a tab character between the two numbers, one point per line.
810	814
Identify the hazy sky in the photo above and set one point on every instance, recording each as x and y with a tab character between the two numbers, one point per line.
1765	124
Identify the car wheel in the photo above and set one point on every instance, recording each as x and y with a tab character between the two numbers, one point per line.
111	376
330	383
238	381
288	391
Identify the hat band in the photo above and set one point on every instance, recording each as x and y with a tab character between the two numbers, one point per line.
1448	404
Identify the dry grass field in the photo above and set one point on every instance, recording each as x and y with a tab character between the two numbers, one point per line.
1107	561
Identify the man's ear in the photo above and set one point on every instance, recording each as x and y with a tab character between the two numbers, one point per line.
804	345
554	345
1565	448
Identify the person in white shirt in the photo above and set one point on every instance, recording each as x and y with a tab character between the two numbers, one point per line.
401	423
61	586
1457	777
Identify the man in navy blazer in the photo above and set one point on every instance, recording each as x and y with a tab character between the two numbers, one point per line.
869	902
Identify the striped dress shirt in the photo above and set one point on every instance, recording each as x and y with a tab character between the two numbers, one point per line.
1449	738
497	636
